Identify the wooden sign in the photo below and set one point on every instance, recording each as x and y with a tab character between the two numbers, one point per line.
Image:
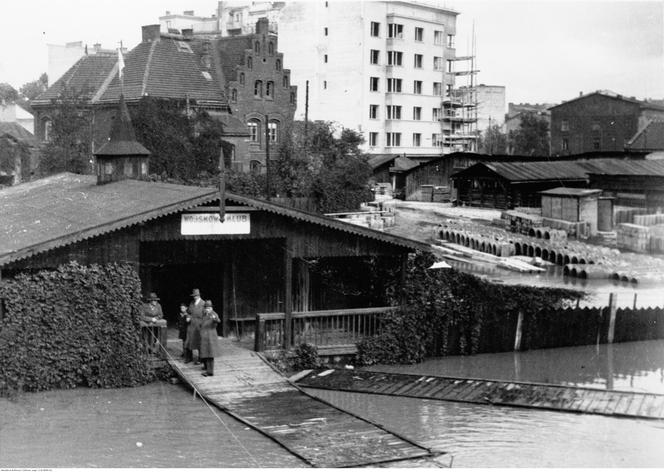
210	223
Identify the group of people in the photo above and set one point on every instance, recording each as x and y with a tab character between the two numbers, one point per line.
197	326
198	331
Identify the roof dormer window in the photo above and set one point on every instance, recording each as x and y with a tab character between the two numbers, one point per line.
184	47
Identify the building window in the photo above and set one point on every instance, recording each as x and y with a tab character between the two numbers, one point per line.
257	47
269	90
417	87
394	112
450	40
436	140
273	131
394	85
47	129
395	31
564	125
437	63
595	127
417	139
374	56
417	113
284	81
241	78
373	139
326	31
234	95
373	84
254	131
255	167
394	58
270	49
375	29
419	34
437	88
250	62
435	114
292	97
393	139
448	90
596	143
449	65
108	168
373	112
325	58
417	63
324	84
277	64
438	37
258	89
565	144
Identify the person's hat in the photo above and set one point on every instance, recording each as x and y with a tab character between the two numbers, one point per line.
196	293
153	296
207	304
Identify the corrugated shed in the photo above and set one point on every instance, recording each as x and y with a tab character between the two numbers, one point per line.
86	75
66	208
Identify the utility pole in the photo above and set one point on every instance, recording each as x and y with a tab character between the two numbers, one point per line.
306	113
267	157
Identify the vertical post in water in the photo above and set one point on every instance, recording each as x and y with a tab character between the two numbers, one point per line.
519	329
613	298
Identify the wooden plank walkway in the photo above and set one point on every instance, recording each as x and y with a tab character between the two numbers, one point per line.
247	388
491	392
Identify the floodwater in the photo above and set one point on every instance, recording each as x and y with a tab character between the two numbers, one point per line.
157	425
163	425
648	294
491	436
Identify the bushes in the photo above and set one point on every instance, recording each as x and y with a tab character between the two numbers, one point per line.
77	325
449	312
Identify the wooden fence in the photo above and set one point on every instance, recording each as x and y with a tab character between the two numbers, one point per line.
324	328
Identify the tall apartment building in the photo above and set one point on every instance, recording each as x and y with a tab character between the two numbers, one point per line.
384	68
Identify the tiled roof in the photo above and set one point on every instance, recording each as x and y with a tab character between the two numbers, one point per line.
610	94
17	132
403	164
378	160
66	208
86	75
166	69
230	52
650	137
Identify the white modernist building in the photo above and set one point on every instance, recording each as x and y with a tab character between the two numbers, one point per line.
384	68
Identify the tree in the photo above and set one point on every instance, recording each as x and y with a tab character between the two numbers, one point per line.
8	94
31	90
493	141
70	136
532	137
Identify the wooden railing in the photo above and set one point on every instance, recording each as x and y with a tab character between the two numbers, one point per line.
322	328
153	337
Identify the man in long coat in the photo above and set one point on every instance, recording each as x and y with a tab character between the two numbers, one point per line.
210	347
193	341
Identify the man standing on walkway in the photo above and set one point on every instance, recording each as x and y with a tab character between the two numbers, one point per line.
193	341
209	340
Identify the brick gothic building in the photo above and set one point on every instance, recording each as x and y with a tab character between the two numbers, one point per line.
238	80
599	121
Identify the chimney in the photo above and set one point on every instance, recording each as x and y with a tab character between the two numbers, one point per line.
581	94
150	33
188	13
97	47
206	59
188	33
262	26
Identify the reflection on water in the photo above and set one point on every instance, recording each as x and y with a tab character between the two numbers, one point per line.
647	294
157	425
634	367
486	436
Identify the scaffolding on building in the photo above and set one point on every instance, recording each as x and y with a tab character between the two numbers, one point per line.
459	105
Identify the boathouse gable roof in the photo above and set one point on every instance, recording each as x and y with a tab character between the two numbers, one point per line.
67	208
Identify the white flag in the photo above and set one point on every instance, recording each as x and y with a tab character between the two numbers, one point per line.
120	62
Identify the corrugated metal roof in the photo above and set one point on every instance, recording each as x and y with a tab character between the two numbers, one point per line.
67	208
567	170
572	192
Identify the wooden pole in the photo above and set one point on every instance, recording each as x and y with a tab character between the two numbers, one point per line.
260	331
519	329
613	298
288	295
306	114
635	295
2	305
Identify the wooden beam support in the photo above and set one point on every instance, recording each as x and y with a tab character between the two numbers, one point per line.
288	294
613	307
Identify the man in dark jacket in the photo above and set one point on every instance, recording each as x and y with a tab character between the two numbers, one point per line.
193	341
209	340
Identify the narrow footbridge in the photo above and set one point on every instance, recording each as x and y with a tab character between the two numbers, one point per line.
492	392
321	435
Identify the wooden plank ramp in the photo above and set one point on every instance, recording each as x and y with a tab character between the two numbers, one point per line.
491	392
322	435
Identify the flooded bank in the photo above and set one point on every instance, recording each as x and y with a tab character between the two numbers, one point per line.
157	425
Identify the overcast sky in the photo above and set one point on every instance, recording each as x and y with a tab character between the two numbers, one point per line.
542	51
